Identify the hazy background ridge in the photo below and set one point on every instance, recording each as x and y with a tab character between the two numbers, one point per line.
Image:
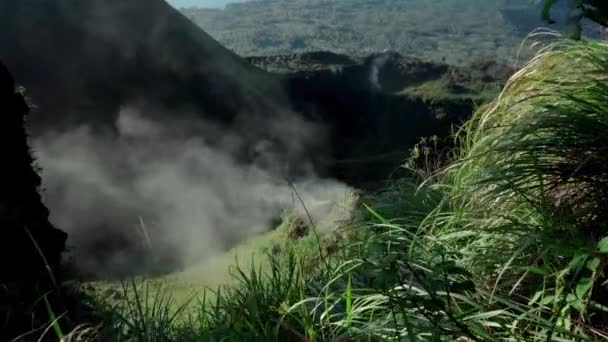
454	31
202	3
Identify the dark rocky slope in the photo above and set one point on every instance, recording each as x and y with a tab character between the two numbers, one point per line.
30	247
82	60
379	105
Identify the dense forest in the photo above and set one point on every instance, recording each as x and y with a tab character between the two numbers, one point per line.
454	32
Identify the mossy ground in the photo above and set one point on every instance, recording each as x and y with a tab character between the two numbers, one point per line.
191	283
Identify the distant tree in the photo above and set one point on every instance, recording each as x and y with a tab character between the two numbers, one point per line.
596	10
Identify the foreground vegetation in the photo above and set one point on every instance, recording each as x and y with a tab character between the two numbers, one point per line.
503	238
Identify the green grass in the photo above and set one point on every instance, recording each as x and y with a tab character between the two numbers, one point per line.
444	89
219	269
531	182
507	242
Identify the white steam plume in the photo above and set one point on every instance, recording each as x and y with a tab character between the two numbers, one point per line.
195	199
374	72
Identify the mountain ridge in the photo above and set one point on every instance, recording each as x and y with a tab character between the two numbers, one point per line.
69	52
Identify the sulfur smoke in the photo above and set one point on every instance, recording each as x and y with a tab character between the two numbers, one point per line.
374	72
180	188
155	186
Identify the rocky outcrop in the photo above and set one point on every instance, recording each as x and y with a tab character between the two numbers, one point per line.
378	106
30	247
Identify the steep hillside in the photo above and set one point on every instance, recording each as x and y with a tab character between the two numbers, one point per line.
82	60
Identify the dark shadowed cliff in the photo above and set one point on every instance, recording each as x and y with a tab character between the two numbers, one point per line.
30	247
